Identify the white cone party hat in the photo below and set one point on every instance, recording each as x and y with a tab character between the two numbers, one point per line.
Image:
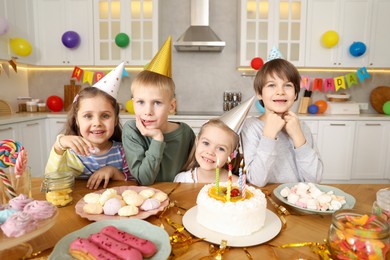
274	54
111	82
235	118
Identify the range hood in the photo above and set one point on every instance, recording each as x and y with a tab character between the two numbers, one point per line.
199	36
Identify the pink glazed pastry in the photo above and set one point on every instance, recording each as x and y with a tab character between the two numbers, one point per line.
40	209
18	224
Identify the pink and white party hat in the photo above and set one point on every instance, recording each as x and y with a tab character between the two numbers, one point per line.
112	81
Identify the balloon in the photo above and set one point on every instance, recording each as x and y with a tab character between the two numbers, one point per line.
122	40
357	49
386	108
260	107
3	25
257	63
313	109
330	39
322	106
54	103
20	46
70	39
130	106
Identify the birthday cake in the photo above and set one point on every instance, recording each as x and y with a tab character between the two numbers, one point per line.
240	216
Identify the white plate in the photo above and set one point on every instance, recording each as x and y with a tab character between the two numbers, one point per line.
271	228
348	198
141	214
136	227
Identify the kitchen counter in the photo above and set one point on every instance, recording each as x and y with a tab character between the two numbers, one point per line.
23	117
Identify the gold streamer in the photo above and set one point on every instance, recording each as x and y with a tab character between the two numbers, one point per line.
319	249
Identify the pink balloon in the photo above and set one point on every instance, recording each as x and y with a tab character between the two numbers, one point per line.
3	25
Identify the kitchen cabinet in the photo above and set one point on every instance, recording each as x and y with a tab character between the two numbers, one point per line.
353	20
55	126
20	25
136	18
335	145
370	147
265	24
313	125
53	19
32	135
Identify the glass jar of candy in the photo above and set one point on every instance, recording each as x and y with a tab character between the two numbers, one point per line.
381	206
357	235
59	188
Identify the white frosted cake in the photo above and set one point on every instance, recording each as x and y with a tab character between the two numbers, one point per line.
239	217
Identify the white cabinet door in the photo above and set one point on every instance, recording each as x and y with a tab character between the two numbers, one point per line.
313	125
371	144
378	50
136	18
33	138
20	20
265	24
335	144
9	131
55	126
350	19
53	19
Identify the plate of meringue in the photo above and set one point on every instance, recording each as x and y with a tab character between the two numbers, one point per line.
121	203
313	198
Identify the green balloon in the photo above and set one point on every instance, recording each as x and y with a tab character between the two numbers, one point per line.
386	107
122	40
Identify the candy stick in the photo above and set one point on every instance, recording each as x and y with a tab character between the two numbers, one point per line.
21	163
10	190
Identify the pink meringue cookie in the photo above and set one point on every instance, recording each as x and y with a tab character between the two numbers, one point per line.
19	202
150	204
112	206
40	209
18	224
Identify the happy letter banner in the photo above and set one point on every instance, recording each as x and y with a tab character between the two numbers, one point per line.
91	76
337	83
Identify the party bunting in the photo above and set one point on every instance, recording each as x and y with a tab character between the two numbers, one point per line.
91	77
337	83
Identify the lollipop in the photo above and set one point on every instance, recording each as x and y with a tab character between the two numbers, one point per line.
21	163
10	190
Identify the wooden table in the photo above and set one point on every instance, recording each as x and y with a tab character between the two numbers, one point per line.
300	228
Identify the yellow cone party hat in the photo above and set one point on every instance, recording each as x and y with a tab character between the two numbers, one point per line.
235	118
162	62
111	82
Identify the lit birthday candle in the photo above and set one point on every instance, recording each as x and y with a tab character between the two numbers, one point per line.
217	177
243	192
229	182
240	175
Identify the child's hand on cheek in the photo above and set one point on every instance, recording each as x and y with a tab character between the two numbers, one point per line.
293	128
154	133
273	124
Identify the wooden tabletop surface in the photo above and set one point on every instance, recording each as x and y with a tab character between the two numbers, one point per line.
299	228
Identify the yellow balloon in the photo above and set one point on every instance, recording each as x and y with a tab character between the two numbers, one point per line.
130	106
330	39
20	46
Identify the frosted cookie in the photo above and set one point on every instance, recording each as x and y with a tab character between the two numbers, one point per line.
148	193
106	195
134	199
40	209
93	208
128	192
160	196
18	224
127	211
92	198
19	202
112	206
82	248
150	204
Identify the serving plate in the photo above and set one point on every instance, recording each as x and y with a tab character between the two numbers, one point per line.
271	228
350	200
136	227
141	215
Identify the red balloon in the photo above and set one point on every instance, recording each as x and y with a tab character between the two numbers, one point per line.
322	106
55	103
256	63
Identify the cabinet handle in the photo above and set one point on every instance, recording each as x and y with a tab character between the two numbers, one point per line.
60	122
337	124
28	125
5	129
373	124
